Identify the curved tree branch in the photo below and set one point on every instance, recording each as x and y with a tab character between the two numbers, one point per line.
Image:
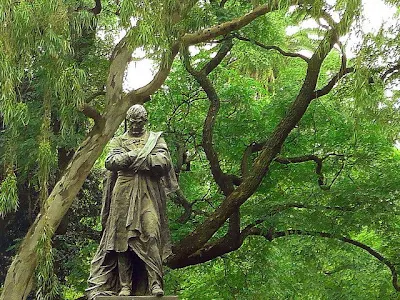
272	47
224	246
92	113
344	70
227	244
97	8
95	95
389	72
224	28
224	181
191	39
199	237
143	94
299	159
201	77
329	86
226	46
222	4
318	167
181	200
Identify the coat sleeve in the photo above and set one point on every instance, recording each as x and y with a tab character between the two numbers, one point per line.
118	158
158	161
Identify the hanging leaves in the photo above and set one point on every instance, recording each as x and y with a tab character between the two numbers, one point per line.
48	285
8	194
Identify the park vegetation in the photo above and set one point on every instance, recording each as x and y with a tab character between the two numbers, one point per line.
285	143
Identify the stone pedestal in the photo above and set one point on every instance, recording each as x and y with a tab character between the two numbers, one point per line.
136	298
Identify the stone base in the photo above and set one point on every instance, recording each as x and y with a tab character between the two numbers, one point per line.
136	298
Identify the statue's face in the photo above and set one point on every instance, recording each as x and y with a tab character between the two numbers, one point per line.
136	125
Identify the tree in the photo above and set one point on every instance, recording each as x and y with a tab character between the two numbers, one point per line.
50	51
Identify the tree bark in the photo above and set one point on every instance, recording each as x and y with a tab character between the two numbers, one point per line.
18	282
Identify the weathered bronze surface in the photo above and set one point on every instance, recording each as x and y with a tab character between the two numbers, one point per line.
135	238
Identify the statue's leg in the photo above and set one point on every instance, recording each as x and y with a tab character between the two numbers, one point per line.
153	277
155	282
151	232
125	273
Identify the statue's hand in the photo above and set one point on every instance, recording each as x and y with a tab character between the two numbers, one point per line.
132	155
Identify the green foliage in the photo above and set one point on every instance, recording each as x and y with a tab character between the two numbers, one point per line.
78	266
356	121
54	55
290	268
8	195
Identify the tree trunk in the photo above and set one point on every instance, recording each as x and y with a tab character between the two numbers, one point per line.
18	282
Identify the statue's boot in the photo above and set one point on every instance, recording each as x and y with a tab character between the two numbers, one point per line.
156	290
125	291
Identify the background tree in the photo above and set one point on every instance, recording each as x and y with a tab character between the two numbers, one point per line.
268	142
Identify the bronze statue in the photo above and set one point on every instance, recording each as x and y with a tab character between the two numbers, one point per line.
135	238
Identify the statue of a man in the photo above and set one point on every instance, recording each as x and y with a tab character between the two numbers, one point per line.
135	238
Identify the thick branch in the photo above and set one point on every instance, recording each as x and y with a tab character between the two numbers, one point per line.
92	113
226	46
119	60
207	142
224	181
192	39
210	251
250	149
228	244
223	2
236	180
223	246
19	278
344	70
95	95
390	71
271	47
97	9
204	232
146	91
224	28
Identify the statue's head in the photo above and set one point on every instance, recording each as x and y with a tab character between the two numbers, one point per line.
136	118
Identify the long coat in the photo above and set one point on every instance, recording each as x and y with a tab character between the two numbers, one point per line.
134	209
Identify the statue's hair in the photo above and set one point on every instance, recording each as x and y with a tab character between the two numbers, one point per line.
137	111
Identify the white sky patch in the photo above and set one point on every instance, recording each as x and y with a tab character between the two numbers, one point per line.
140	71
376	13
